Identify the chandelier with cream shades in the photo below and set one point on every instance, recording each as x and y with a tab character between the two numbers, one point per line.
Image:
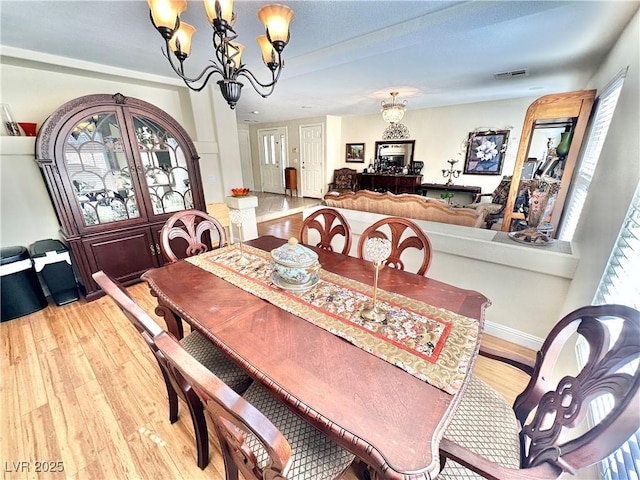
165	16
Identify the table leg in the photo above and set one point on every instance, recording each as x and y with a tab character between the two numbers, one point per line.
171	319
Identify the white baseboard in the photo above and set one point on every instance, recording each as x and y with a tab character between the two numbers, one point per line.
512	335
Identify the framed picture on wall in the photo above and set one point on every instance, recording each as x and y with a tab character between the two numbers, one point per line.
485	152
355	153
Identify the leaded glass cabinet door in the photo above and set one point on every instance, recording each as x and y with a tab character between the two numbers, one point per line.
166	177
99	167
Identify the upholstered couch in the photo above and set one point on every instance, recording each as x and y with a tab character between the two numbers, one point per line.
406	205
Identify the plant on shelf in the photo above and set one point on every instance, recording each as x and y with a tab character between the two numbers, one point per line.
447	196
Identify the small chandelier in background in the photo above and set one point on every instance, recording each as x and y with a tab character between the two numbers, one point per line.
165	16
392	111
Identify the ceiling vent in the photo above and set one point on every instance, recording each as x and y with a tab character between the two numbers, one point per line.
523	72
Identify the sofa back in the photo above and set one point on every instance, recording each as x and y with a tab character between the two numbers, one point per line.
406	205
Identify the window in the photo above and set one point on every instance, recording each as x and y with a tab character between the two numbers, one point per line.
597	133
620	284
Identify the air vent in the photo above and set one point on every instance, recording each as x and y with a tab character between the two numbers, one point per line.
523	72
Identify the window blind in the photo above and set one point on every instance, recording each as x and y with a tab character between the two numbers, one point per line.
620	284
605	106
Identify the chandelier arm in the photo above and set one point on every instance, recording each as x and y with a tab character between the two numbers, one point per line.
206	72
275	76
257	84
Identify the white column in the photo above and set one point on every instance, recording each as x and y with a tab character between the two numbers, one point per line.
246	205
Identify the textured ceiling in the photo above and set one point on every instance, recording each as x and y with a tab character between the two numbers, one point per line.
346	56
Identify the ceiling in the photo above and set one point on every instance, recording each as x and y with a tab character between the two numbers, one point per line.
344	57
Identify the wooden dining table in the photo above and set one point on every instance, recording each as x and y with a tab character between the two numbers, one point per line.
390	419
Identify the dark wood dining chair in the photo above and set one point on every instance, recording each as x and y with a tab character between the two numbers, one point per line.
190	226
536	437
196	345
404	234
329	223
258	435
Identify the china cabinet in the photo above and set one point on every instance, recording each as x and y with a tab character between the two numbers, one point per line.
116	168
552	135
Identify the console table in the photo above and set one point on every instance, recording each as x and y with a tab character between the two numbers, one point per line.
389	182
425	187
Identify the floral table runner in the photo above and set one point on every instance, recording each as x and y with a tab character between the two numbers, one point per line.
433	344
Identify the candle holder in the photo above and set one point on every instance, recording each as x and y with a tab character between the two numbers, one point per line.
377	250
451	173
236	218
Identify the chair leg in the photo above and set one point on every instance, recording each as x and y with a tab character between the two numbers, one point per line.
199	427
171	319
363	471
172	396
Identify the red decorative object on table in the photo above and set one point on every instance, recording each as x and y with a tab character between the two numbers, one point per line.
240	192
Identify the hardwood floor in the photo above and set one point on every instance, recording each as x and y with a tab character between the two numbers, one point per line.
79	386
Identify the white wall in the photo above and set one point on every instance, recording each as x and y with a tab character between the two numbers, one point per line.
439	134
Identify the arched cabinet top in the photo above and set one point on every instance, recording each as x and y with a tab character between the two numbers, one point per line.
58	120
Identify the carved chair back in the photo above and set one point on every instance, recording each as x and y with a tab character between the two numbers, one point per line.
344	180
499	197
329	223
404	234
501	193
612	333
232	416
191	226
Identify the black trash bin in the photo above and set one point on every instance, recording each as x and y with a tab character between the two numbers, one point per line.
20	291
52	260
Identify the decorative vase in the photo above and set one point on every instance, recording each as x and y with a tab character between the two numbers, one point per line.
537	203
9	120
29	129
565	143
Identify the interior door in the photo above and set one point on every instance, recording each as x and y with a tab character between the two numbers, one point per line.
312	160
273	156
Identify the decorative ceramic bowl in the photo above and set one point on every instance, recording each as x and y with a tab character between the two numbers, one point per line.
295	264
240	192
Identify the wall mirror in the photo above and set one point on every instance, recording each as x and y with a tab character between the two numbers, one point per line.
552	135
395	153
